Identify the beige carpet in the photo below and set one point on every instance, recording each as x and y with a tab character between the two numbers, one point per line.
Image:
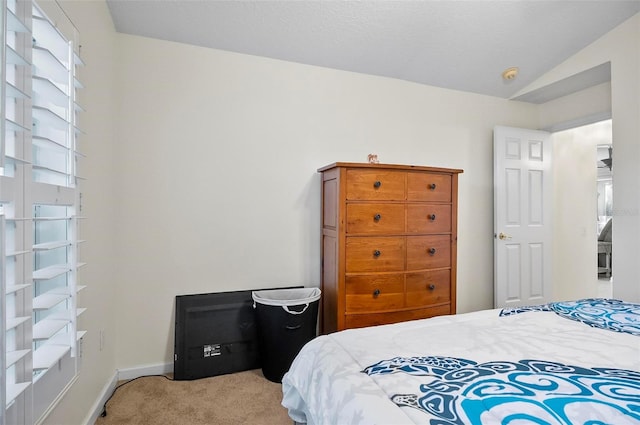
239	398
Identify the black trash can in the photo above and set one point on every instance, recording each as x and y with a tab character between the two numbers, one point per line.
286	320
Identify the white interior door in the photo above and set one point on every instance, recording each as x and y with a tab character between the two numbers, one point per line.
523	194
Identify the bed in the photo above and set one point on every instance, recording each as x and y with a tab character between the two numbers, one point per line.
574	362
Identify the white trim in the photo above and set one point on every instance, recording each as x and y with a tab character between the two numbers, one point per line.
96	409
136	372
121	375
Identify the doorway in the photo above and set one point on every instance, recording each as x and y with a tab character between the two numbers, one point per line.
583	205
604	190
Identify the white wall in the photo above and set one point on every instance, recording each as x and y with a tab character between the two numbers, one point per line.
218	187
583	107
621	47
98	366
575	209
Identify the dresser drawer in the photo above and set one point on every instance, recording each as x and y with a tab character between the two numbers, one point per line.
426	288
375	185
375	254
428	252
362	320
374	292
429	187
375	218
428	218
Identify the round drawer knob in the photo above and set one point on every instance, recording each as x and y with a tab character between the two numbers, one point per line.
377	184
377	217
431	217
376	253
376	293
431	286
432	186
432	251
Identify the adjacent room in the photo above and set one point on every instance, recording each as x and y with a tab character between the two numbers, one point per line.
159	149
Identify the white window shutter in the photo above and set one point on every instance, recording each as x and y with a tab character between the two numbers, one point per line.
39	211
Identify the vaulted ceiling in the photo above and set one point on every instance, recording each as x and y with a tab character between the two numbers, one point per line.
461	45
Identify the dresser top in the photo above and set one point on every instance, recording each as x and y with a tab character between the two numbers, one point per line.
388	167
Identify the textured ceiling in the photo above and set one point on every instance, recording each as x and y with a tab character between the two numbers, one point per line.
462	45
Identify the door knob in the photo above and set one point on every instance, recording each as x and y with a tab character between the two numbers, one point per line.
503	236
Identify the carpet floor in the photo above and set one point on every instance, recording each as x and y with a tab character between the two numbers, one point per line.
238	398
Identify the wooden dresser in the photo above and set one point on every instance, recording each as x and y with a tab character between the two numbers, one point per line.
389	242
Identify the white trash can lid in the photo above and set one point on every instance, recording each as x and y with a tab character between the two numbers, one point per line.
286	297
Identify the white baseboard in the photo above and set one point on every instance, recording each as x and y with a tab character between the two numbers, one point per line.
136	372
120	375
96	409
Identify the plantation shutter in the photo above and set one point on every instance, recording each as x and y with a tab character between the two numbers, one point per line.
40	216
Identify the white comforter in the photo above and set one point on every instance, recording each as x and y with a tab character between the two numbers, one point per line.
326	383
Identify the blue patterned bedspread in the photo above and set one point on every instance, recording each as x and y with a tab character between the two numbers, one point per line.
463	392
476	368
614	315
